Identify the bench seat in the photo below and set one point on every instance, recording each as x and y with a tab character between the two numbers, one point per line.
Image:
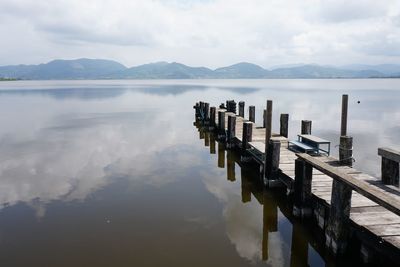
306	148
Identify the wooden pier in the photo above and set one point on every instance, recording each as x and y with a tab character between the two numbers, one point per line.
346	203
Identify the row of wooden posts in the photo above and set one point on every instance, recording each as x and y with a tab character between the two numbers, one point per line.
336	226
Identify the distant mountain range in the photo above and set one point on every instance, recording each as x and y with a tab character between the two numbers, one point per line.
107	69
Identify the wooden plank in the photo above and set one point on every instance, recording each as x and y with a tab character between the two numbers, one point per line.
389	153
395	240
375	218
385	229
387	200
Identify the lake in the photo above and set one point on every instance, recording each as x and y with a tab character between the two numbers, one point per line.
113	173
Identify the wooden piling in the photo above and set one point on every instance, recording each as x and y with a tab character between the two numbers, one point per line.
284	126
302	188
221	124
346	150
264	116
241	109
306	127
252	113
246	135
212	118
268	131
272	163
206	112
345	103
337	229
231	130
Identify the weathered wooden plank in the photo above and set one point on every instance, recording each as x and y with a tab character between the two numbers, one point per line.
375	218
389	153
385	229
395	240
375	194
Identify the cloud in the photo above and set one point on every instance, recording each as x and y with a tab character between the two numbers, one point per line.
200	32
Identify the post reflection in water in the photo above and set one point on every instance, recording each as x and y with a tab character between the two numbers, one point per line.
230	168
212	143
221	155
270	221
299	248
246	185
207	139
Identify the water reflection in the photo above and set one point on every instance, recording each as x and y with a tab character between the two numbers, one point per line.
122	163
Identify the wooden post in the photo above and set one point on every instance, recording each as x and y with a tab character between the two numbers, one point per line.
246	135
346	150
345	103
221	155
273	156
284	129
212	118
201	110
230	169
207	138
231	130
306	127
241	109
197	110
206	112
268	132
252	113
337	229
390	165
302	188
221	124
264	116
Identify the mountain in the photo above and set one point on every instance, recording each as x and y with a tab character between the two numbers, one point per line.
164	70
316	71
64	69
107	69
242	70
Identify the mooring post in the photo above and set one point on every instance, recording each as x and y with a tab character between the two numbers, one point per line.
346	151
201	110
268	132
284	129
206	113
212	118
197	111
302	188
345	104
221	155
230	162
390	165
337	230
231	130
346	142
247	135
272	171
306	127
252	113
221	124
241	109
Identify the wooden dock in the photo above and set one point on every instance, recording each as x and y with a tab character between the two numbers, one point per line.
345	202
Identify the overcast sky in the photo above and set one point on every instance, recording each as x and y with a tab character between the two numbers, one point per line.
211	33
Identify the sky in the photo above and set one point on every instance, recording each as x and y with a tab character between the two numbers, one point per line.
210	33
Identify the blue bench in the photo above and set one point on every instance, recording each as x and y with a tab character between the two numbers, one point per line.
304	147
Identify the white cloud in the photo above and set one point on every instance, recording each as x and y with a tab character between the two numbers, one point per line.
212	33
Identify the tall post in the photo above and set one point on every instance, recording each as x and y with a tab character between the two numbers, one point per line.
241	109
345	104
346	150
306	127
302	188
201	109
337	231
284	129
268	132
212	118
252	113
231	130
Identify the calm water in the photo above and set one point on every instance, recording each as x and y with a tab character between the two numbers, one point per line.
113	173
